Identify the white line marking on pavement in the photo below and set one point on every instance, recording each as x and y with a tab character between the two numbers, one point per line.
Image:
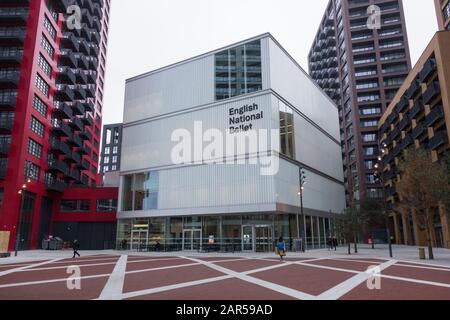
141	293
318	266
265	284
350	284
431	283
4	273
114	286
32	283
420	267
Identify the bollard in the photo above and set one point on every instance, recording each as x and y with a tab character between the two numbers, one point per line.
422	253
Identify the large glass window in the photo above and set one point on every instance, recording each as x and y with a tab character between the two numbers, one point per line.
287	142
238	71
140	191
108	205
75	206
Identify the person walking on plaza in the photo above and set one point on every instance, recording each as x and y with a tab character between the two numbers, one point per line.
334	243
281	248
76	247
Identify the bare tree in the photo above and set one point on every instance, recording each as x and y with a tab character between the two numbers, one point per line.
423	185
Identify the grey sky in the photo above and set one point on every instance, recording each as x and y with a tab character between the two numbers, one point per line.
149	34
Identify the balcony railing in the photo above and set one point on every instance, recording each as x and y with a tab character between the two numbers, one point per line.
57	166
56	186
428	70
440	138
435	115
433	91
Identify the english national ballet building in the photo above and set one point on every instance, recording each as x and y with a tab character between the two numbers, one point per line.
229	151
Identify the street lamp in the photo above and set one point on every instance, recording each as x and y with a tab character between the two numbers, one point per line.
21	192
302	182
379	173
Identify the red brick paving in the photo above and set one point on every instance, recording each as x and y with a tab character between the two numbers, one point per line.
309	280
231	289
247	265
342	264
41	275
399	290
90	289
161	278
420	274
150	264
220	258
306	279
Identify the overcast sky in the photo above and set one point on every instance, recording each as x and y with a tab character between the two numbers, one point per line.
148	34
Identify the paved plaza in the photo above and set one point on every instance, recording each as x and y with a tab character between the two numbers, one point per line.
315	275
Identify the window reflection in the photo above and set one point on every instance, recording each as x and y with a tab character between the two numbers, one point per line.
238	71
287	142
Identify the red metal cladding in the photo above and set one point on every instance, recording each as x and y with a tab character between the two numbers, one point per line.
21	132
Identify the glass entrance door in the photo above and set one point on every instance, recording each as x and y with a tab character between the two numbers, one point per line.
138	239
248	239
192	240
263	237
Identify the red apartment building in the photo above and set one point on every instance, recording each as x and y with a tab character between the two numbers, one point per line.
52	73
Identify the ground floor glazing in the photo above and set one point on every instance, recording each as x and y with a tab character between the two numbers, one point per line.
236	233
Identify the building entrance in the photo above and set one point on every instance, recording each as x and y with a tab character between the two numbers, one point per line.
139	239
257	238
192	239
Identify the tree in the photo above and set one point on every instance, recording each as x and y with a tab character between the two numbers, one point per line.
423	185
349	226
372	216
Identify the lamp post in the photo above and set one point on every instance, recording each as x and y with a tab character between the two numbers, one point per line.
21	192
379	174
302	182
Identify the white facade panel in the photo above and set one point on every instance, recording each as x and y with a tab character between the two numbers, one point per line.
177	88
316	150
320	193
214	186
148	145
294	85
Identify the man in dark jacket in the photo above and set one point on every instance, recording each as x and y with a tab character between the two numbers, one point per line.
76	247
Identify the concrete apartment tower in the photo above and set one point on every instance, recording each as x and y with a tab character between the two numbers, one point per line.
360	58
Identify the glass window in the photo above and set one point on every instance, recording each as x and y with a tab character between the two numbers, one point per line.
40	106
1	197
48	25
109	205
34	148
127	193
287	142
75	206
108	136
238	71
146	191
37	127
31	170
45	66
107	150
42	85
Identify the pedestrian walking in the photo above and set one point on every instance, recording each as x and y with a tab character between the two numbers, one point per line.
281	248
330	243
76	247
335	243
